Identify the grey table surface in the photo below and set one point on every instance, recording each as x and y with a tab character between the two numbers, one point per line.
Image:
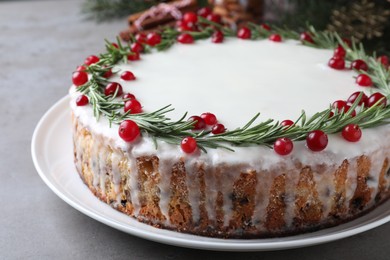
40	44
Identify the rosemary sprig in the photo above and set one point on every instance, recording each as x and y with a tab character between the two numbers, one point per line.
159	126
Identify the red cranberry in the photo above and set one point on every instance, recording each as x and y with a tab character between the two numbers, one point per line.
217	37
128	130
209	118
113	87
133	105
218	129
153	39
199	122
346	110
266	27
185	38
81	68
347	42
306	37
128	96
140	37
214	18
79	78
115	45
244	33
364	80
317	140
339	52
190	17
188	144
359	65
352	133
204	12
107	74
82	100
352	98
275	37
336	63
287	123
339	104
127	75
384	60
374	98
91	60
136	47
133	56
283	146
184	26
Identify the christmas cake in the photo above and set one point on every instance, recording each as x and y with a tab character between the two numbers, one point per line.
223	169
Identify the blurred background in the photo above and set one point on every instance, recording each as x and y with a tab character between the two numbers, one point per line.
367	21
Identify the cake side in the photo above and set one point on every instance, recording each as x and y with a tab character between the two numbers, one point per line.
230	200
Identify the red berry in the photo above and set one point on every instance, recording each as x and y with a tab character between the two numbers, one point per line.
185	38
133	56
153	39
244	33
113	87
199	122
359	65
331	114
306	37
384	60
347	42
81	68
218	129
374	98
140	37
188	144
128	96
190	17
214	18
352	133
204	12
317	140
364	80
136	47
82	100
265	27
347	108
339	52
184	26
287	123
127	75
133	105
209	118
336	63
79	78
107	74
91	60
128	130
217	37
339	104
352	98
115	45
275	38
283	146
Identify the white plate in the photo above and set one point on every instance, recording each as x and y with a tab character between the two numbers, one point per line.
52	153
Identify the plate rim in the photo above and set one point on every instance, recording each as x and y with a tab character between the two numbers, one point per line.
159	235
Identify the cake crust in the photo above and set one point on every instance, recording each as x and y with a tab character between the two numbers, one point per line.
229	200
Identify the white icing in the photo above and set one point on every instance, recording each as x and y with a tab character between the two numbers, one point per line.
235	80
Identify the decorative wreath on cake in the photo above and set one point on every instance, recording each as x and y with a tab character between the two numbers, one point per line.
343	116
